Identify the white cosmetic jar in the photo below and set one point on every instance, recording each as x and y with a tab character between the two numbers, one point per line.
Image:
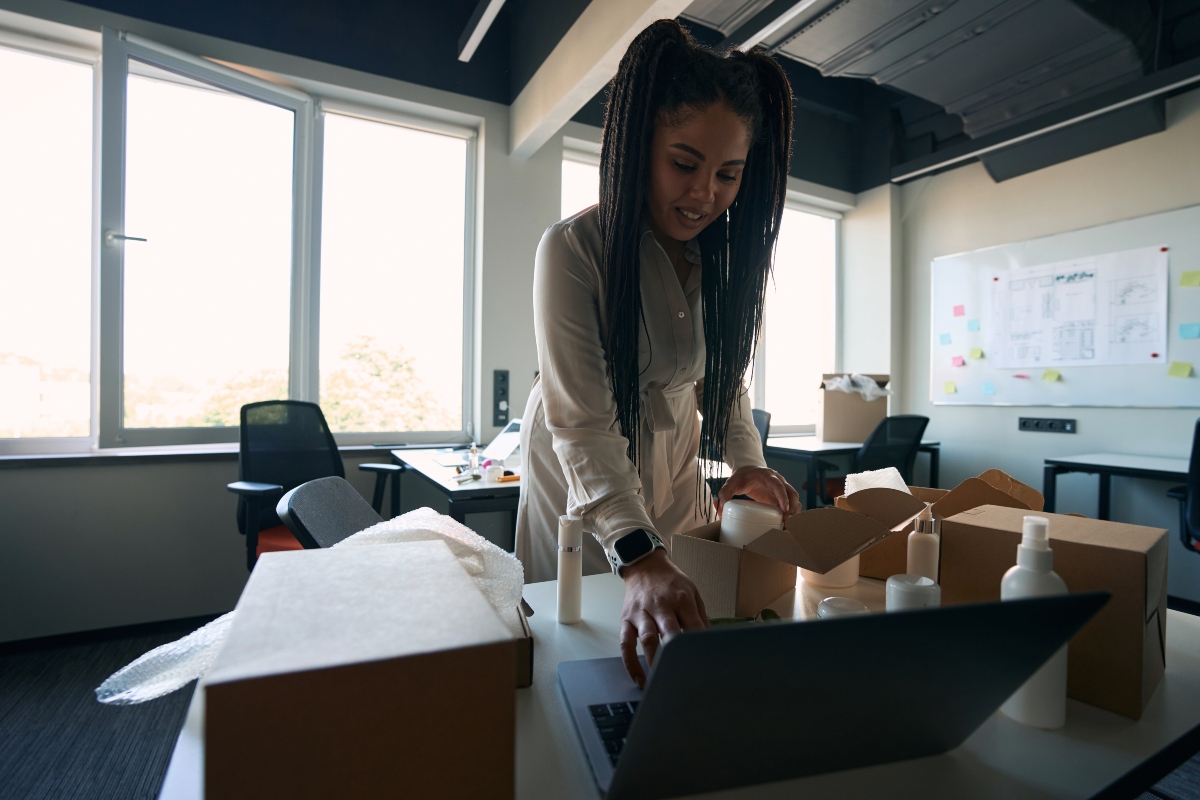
743	521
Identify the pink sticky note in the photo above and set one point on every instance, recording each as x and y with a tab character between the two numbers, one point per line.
960	311
1021	375
958	361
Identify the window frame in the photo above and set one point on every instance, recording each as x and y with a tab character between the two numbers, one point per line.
759	385
108	54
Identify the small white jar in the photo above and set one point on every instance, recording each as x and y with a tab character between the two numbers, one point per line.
842	576
743	521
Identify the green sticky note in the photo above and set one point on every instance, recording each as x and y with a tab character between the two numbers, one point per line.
1051	375
1190	278
976	352
950	388
1180	369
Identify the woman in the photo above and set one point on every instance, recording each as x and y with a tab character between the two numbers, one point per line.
626	296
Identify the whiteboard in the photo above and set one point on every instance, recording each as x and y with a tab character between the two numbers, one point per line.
976	325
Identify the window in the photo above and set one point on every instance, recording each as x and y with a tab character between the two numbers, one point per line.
46	227
245	241
798	338
580	177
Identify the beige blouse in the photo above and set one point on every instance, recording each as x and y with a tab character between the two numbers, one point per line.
574	455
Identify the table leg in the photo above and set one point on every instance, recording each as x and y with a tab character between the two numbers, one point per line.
935	454
1105	495
396	478
810	493
456	513
1049	486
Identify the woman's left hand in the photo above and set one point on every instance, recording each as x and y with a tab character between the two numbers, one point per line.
764	485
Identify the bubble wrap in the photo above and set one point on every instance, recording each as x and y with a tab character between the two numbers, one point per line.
498	575
886	478
865	386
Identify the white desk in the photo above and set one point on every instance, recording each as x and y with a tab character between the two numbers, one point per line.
1000	760
807	449
1106	465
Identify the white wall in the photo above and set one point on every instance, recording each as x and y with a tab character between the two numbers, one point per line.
96	547
965	210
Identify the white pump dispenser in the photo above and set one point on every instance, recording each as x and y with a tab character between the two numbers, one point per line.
924	546
1042	700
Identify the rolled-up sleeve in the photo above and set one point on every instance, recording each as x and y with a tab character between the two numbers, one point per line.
603	486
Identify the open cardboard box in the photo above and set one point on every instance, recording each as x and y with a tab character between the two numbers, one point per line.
1115	661
897	511
741	581
845	416
364	672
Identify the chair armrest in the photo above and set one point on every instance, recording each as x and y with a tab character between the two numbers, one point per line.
378	467
252	489
1177	493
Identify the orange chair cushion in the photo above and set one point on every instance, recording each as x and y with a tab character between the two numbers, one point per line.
274	540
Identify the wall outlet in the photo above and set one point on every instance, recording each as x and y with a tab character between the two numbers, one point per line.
1046	425
500	404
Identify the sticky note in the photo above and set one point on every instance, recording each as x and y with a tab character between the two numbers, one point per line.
957	361
1021	375
944	338
1051	375
1190	330
1180	369
950	388
976	352
1190	278
989	388
961	311
973	325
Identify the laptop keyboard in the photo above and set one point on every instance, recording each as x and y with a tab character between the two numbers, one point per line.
612	721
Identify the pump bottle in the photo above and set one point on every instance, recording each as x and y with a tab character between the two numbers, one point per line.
1042	701
570	569
924	546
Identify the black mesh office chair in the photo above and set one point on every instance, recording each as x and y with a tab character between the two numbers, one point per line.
894	443
1189	499
285	443
762	421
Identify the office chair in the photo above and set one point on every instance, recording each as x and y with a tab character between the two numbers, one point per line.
285	443
1189	499
894	443
325	511
762	422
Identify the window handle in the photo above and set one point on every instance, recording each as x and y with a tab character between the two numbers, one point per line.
112	237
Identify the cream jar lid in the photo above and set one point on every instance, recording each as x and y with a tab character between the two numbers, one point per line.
750	511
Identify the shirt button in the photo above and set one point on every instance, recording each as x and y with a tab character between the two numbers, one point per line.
683	370
681	315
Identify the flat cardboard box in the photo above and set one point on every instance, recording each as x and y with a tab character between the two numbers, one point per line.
516	622
845	416
741	581
897	510
362	672
1117	660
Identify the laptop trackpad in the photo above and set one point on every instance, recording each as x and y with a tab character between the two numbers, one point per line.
589	683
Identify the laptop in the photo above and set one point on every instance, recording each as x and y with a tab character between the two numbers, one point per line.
744	704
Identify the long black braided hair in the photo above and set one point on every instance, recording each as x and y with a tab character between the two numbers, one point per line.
663	77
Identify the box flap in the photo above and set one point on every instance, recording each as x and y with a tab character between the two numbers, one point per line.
893	508
1012	487
973	493
821	539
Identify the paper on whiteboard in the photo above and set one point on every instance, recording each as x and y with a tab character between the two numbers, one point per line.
1100	310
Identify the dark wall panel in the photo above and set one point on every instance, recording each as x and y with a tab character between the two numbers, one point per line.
537	27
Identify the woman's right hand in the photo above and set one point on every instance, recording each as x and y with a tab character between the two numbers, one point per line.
660	601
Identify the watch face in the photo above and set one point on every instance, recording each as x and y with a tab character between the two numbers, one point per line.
633	546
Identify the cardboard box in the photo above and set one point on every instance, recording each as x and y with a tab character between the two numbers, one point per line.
1117	660
897	510
845	416
741	581
362	672
516	622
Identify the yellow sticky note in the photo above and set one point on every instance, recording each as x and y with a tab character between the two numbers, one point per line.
1051	375
1180	369
950	388
976	352
1190	278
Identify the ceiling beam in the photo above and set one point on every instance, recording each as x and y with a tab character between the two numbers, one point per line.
477	27
765	23
582	64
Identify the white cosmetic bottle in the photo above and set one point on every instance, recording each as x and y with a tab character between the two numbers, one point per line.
924	546
570	569
1042	701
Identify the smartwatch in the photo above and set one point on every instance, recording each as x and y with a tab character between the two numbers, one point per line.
633	547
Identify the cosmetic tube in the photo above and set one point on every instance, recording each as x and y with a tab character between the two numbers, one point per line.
570	569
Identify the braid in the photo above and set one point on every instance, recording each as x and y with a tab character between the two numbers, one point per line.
663	77
628	128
